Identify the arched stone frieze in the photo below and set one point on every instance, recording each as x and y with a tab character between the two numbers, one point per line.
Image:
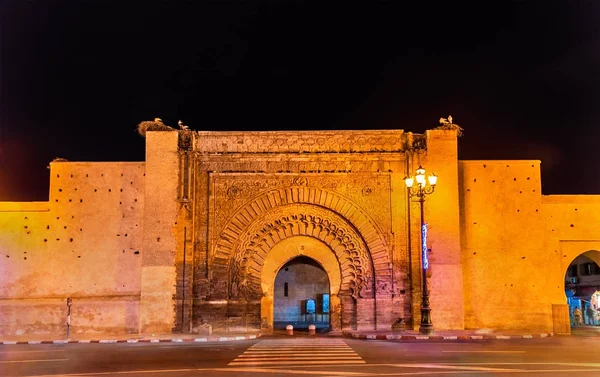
333	205
300	220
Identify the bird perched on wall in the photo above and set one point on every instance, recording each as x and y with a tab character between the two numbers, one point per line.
446	124
152	125
182	126
446	120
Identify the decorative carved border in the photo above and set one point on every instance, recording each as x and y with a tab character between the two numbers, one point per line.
364	141
356	220
301	220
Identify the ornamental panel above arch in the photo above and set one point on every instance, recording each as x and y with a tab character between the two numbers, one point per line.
283	222
239	201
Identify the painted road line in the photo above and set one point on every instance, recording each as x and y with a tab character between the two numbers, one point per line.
310	352
473	351
279	371
36	351
455	367
299	362
289	357
298	351
226	370
31	361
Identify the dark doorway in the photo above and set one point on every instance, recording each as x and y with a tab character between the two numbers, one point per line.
301	295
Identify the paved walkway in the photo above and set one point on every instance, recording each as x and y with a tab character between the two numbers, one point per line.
127	338
445	335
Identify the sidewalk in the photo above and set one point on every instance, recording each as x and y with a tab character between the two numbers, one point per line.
127	338
469	335
585	331
482	334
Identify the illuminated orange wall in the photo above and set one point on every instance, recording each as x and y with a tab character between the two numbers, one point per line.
84	243
517	244
108	237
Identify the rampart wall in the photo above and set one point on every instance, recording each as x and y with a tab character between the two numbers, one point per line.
84	243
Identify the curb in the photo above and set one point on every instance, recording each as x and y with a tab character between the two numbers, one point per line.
112	341
442	337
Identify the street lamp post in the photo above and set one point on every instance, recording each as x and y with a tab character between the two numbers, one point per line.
423	188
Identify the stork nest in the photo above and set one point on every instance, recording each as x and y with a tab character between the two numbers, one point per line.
451	126
150	125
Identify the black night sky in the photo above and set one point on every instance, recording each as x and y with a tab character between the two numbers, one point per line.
521	77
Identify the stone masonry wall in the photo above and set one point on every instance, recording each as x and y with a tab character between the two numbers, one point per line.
506	262
84	243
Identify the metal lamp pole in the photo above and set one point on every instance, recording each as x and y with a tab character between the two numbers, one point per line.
423	188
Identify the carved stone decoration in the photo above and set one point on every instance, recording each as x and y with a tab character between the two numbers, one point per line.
300	181
287	221
366	191
339	193
238	287
232	192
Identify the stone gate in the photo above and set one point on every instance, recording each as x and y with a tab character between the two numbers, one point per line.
241	196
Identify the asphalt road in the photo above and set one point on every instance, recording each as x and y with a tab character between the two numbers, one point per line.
304	356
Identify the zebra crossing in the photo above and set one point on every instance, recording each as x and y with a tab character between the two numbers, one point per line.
298	351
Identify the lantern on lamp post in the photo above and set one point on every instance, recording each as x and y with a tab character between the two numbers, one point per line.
418	187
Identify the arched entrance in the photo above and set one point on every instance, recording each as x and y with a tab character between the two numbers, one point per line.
582	288
301	295
299	249
251	254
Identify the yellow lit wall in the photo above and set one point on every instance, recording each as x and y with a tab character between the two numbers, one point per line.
517	244
84	243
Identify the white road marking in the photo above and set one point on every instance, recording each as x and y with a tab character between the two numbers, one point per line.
466	351
292	371
287	357
443	366
298	362
298	352
280	371
31	361
33	351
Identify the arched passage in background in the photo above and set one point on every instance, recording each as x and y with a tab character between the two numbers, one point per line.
301	295
582	288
